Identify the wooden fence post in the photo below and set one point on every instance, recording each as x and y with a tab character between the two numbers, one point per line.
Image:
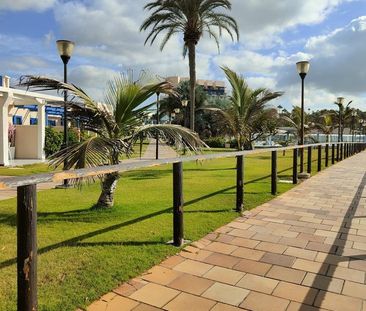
326	155
239	183
27	247
341	152
319	158
309	159
333	153
337	152
274	173
178	203
294	167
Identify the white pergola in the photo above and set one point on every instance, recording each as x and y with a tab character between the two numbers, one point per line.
15	97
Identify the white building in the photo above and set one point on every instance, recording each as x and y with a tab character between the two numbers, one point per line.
27	112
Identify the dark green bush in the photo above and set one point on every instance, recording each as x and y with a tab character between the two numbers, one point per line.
215	142
54	140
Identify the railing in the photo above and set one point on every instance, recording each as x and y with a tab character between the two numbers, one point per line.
27	199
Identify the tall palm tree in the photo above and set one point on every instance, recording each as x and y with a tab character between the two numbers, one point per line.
192	18
118	124
343	114
247	116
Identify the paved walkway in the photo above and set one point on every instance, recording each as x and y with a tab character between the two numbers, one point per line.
164	152
304	250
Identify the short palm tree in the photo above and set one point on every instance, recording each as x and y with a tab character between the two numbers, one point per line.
192	18
118	124
294	120
247	112
326	126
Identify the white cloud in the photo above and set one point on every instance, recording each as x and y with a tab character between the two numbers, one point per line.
22	5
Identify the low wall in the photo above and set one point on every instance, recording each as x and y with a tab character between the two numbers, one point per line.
26	142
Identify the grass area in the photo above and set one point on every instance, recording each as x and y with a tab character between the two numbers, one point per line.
84	254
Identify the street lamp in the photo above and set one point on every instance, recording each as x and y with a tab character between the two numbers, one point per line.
354	115
302	69
65	49
340	103
184	105
157	123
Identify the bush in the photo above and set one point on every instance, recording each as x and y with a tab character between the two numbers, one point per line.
215	142
54	140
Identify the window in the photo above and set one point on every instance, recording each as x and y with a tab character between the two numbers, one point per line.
51	123
33	121
17	120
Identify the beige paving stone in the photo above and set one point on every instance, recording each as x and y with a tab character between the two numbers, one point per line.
222	260
262	302
346	274
199	254
224	307
172	261
219	247
357	264
258	283
278	259
97	306
336	302
296	306
119	303
161	275
311	237
354	289
293	242
145	307
183	300
295	292
191	284
253	267
240	225
248	253
241	233
193	267
302	229
323	282
310	266
286	274
266	237
332	259
321	247
225	238
271	247
244	242
300	253
224	275
154	294
226	293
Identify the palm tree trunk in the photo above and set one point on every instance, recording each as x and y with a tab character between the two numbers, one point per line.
192	82
109	185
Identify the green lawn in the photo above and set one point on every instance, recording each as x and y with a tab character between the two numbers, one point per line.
84	254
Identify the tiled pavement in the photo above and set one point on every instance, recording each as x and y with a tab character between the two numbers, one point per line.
304	250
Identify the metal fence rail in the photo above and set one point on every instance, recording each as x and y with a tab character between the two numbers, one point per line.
27	199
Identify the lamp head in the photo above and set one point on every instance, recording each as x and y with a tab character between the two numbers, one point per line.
340	100
65	49
303	68
184	102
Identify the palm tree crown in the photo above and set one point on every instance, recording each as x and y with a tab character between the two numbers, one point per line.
118	124
192	18
247	117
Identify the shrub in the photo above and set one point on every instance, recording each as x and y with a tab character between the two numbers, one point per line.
53	141
215	142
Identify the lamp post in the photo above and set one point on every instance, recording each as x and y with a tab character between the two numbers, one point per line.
65	49
354	115
340	103
302	69
157	122
186	118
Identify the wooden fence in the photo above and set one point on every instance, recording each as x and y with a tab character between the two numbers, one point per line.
27	199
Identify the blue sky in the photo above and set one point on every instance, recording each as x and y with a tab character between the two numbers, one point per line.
273	36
